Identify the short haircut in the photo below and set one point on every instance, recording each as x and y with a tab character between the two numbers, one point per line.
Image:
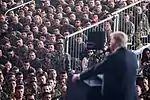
50	79
19	73
21	83
51	35
41	74
32	75
10	50
51	70
85	4
26	61
77	5
19	39
10	80
30	43
77	19
32	81
30	33
48	44
44	85
31	52
63	72
146	78
6	41
19	87
59	43
11	74
29	94
120	38
66	6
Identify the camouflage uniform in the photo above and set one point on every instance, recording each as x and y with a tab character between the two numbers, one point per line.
61	62
51	58
92	60
143	29
56	94
129	28
9	94
76	64
3	95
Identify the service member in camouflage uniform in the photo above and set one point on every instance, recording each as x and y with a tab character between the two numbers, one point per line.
3	95
62	60
142	26
51	55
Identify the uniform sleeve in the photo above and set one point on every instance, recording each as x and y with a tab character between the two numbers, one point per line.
97	69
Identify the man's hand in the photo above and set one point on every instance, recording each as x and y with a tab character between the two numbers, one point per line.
75	77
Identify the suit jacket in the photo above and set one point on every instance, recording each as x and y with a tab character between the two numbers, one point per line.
119	71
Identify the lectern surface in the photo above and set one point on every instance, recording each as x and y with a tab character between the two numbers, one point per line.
81	89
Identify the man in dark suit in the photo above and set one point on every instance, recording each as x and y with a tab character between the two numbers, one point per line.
119	70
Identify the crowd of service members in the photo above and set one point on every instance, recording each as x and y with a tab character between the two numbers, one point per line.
33	62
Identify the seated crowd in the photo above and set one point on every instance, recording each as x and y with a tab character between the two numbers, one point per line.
33	62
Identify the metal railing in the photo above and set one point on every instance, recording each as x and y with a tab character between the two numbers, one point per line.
78	42
138	26
129	6
18	7
85	29
133	20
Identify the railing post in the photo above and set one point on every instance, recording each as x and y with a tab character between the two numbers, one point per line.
116	22
67	44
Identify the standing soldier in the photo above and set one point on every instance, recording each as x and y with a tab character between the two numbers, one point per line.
3	95
142	26
63	60
52	55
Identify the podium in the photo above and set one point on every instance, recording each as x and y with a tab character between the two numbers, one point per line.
89	89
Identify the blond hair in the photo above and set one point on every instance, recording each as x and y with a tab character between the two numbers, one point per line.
121	38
